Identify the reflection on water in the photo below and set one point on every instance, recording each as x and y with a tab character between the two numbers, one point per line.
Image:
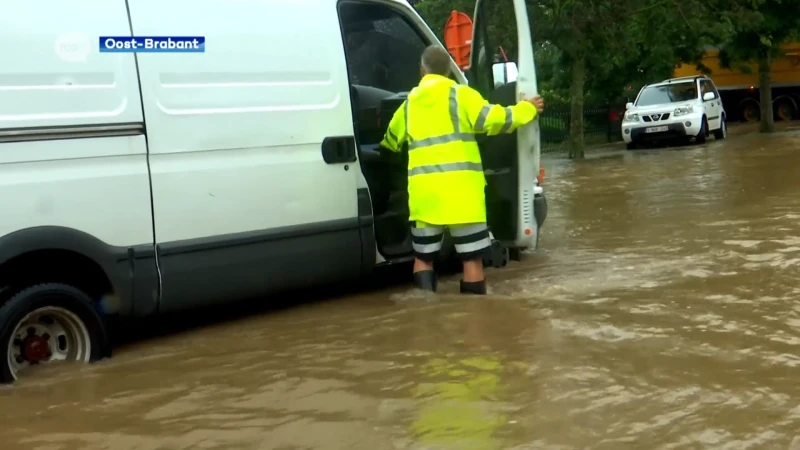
661	312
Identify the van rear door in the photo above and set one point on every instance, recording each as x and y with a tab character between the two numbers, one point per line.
511	161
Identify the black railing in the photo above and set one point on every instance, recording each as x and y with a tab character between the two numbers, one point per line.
600	126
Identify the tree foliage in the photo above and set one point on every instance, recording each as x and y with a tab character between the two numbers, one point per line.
761	27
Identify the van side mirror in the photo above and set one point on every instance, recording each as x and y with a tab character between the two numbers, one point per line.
628	105
709	96
504	72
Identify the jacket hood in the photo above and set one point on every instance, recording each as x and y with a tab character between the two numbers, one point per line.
430	88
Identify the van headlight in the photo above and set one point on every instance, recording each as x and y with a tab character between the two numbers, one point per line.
682	111
631	117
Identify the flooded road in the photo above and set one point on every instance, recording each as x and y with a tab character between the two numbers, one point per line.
662	312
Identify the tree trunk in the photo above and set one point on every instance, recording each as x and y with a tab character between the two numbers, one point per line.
767	124
576	110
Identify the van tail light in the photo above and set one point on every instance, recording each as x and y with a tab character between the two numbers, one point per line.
540	177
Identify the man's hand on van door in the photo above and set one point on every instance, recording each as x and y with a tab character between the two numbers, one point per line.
538	103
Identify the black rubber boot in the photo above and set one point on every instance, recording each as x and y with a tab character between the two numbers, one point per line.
474	287
426	280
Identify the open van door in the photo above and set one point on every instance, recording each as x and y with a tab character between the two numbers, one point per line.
510	161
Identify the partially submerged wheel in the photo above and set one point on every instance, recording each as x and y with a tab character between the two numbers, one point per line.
722	132
46	324
785	111
751	112
702	135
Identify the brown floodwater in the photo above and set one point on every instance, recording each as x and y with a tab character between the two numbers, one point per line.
661	312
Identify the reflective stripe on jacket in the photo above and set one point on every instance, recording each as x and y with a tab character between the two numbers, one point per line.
439	121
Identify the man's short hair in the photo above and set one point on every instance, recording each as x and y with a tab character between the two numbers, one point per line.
436	60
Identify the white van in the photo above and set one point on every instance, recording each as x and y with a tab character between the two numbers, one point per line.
138	184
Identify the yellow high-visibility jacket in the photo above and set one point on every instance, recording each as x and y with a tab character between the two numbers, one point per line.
439	121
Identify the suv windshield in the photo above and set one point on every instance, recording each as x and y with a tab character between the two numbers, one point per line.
668	93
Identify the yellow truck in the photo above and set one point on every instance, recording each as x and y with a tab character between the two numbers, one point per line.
739	90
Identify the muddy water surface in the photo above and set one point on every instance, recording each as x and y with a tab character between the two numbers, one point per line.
662	312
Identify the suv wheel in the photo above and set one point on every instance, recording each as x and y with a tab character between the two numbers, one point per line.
703	134
722	133
46	324
630	146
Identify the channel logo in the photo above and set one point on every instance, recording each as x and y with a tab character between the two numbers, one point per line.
152	44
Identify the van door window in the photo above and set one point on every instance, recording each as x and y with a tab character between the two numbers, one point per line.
382	46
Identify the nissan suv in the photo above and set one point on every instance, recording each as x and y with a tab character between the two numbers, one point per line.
687	108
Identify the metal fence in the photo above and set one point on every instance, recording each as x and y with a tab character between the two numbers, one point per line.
600	126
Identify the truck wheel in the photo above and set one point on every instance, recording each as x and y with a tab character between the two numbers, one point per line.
46	324
751	113
784	111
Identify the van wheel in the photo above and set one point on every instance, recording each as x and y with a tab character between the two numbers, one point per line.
46	324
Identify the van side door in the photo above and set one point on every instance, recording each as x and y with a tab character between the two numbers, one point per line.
251	149
511	161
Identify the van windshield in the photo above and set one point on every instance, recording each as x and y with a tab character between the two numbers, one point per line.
668	93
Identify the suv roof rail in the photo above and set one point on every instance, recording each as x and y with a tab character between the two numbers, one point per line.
690	77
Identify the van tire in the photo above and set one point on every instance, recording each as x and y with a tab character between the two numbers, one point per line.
60	308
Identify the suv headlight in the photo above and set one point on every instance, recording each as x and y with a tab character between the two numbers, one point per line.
631	117
682	111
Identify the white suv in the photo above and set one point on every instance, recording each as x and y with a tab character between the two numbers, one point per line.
682	108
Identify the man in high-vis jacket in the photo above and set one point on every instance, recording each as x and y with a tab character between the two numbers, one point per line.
446	183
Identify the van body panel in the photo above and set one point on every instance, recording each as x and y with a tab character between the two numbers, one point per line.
97	185
52	73
73	154
131	270
239	266
89	196
235	133
244	203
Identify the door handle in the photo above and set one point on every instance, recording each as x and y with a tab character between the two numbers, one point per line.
339	149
